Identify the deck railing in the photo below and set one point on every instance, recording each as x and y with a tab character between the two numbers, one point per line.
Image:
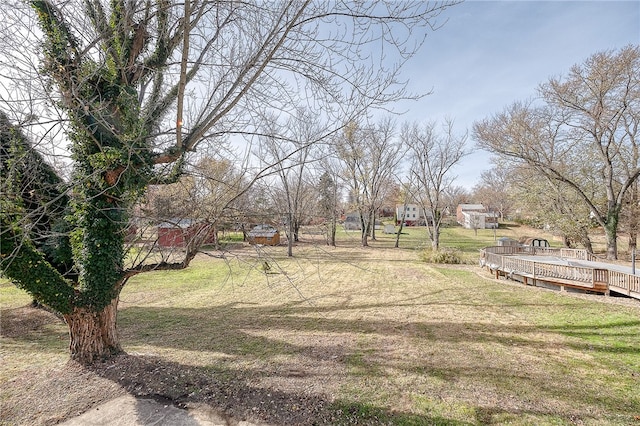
567	253
501	258
625	283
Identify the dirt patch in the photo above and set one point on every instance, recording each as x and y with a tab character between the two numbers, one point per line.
232	394
49	397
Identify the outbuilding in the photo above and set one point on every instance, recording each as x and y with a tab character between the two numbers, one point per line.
179	232
506	241
265	235
173	233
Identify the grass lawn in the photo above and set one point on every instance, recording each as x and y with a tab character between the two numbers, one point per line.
344	335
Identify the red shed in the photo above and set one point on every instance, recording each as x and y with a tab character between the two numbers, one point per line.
179	232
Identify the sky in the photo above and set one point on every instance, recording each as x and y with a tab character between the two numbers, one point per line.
490	54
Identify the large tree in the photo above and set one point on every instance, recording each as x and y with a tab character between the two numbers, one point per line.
583	128
139	85
433	153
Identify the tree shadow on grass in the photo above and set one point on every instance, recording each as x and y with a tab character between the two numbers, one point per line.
231	395
28	323
228	328
244	367
266	338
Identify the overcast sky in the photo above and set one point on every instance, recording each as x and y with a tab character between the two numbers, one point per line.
492	53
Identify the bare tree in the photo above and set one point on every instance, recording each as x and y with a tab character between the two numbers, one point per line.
545	203
433	156
370	156
292	158
586	128
329	200
138	86
171	201
630	215
454	196
475	221
493	189
404	197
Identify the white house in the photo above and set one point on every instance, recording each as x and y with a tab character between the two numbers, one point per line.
413	215
476	216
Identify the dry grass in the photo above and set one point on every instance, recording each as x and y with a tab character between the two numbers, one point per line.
343	335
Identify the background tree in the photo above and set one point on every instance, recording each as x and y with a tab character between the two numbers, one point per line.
433	155
545	203
138	86
171	201
493	189
454	196
213	194
585	128
475	222
404	198
370	156
291	159
328	202
220	192
630	215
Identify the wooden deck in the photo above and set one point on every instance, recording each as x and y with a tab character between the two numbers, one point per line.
564	268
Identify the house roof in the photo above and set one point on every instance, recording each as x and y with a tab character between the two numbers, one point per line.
264	231
176	223
471	206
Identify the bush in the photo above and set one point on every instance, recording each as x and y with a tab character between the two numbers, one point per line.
445	255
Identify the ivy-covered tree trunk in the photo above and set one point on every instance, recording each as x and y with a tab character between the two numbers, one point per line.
112	166
98	243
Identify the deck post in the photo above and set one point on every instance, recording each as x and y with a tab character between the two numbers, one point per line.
534	270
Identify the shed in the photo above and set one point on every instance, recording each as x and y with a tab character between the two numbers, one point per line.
173	233
352	222
506	241
265	235
178	232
